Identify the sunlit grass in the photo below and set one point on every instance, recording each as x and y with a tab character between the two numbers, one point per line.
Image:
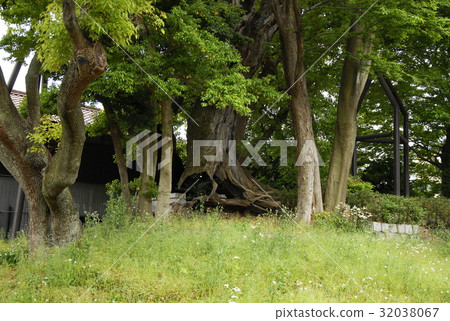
211	258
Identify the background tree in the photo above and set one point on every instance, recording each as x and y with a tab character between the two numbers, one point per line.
290	24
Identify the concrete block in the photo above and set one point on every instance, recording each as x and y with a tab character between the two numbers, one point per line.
377	227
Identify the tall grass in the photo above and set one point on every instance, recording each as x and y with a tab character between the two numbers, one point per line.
212	258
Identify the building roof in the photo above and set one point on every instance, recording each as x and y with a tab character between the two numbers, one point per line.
17	96
89	113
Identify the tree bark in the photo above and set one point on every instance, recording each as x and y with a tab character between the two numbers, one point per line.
290	25
354	76
165	176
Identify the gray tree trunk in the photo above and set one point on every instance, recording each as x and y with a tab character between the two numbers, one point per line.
165	176
354	76
289	20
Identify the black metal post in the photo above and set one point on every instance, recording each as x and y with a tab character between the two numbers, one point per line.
363	94
20	199
354	160
396	106
406	154
397	175
13	77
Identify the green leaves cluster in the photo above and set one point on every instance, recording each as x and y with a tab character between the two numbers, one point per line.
49	131
38	25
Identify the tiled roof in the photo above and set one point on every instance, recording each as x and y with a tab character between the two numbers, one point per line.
89	113
17	96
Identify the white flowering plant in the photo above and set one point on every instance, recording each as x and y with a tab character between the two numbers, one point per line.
345	217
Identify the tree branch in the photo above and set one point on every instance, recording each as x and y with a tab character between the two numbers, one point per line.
32	85
71	24
317	5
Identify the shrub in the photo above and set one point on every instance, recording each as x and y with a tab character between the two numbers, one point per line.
356	184
116	210
431	212
345	218
438	212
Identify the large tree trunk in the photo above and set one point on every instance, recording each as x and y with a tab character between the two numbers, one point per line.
89	61
242	191
45	180
354	76
289	20
165	172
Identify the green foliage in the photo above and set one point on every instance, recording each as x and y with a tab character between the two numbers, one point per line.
100	125
97	18
49	131
48	100
12	252
356	184
151	191
230	90
39	25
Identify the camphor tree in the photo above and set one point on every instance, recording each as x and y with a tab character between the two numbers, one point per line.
195	63
68	41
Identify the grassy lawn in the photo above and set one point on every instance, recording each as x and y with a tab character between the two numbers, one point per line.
199	258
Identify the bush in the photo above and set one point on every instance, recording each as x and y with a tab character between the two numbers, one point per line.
344	217
116	209
438	212
430	212
355	184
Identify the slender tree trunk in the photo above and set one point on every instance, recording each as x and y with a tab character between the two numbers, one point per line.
354	76
445	167
116	136
290	25
165	176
